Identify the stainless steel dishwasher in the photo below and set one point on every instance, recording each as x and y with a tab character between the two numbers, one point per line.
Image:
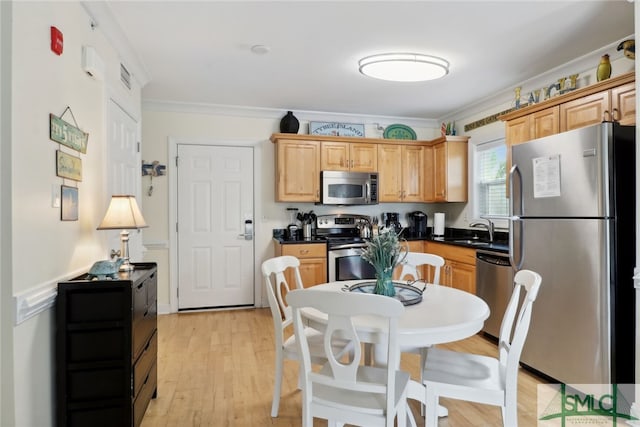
494	284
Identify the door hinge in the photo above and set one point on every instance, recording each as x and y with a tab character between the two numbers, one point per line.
176	227
138	146
176	161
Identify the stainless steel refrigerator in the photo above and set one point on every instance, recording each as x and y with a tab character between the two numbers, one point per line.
573	220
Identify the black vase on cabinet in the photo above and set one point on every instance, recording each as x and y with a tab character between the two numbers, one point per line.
289	123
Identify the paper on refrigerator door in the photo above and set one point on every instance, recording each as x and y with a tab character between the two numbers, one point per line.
546	176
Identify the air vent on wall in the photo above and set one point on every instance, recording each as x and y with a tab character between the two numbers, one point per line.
125	76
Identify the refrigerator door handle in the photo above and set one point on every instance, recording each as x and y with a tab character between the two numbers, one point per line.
515	218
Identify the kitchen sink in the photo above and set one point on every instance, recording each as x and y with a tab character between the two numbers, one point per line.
471	242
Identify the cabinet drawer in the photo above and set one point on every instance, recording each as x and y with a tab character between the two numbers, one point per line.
97	305
143	329
97	384
98	417
144	363
147	391
305	250
96	345
453	253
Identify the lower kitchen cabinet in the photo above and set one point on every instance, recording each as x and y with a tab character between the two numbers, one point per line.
313	261
106	348
459	270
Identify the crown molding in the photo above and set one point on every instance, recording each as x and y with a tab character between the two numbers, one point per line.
277	113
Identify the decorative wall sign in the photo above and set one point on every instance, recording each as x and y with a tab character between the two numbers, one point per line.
68	166
336	129
67	134
69	204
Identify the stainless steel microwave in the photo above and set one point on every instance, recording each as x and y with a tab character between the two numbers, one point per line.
348	188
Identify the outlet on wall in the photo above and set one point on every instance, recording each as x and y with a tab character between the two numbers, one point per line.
55	196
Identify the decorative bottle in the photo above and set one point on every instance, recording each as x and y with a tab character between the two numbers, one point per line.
289	123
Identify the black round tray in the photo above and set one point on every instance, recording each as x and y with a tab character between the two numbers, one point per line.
406	294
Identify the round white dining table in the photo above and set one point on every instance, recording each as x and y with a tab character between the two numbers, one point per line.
444	315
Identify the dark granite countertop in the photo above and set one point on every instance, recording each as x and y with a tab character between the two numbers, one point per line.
475	239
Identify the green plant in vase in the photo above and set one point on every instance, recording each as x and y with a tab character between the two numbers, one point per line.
384	252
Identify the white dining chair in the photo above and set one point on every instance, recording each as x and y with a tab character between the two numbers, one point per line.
410	266
484	379
347	391
286	347
413	260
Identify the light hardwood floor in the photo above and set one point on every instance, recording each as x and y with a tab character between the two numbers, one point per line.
217	368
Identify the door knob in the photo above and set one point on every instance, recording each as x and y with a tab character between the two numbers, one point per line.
248	230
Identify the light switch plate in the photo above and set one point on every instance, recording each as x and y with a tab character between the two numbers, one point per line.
55	196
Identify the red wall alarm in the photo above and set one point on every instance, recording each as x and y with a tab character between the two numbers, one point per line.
56	41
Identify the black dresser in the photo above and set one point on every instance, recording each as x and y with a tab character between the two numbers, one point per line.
106	349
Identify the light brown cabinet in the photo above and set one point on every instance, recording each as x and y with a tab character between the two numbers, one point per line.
313	261
401	173
346	156
297	171
446	170
459	270
612	99
410	171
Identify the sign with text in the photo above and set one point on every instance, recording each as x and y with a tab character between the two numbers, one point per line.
67	134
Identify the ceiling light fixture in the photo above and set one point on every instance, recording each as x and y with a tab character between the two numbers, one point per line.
404	67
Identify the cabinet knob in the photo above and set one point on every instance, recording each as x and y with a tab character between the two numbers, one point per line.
605	115
304	251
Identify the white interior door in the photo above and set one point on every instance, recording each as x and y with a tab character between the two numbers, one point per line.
215	200
124	170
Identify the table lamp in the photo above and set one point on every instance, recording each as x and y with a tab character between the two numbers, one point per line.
123	213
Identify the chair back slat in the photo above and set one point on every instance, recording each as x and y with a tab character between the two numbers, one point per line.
512	337
341	309
413	260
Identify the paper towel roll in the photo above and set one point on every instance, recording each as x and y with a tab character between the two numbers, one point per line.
438	224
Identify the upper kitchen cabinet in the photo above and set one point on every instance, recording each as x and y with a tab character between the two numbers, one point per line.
348	156
297	171
401	171
445	178
611	99
409	171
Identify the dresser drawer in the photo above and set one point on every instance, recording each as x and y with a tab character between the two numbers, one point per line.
145	362
147	391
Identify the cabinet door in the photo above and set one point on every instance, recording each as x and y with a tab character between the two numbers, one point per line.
313	271
363	157
462	276
623	104
545	122
297	171
412	174
390	170
440	171
585	111
334	156
517	131
429	174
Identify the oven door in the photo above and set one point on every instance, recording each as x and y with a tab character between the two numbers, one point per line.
347	264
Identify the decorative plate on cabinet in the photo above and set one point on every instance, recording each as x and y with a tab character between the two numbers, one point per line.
398	131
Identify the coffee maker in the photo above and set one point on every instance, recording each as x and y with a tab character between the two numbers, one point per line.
392	220
417	224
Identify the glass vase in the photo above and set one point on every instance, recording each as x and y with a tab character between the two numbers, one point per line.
384	284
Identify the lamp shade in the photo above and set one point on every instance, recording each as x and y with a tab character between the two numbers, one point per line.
123	213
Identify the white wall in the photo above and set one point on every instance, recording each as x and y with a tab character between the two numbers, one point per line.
43	248
234	127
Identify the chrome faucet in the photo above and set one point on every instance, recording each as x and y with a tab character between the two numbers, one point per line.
488	226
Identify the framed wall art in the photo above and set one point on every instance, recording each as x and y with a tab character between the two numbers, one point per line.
69	203
68	166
